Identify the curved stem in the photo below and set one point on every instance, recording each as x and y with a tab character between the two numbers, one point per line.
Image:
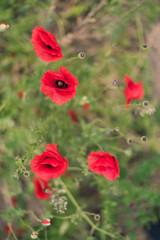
14	235
38	220
83	214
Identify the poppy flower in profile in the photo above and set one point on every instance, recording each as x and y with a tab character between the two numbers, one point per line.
73	115
45	45
105	164
42	189
59	86
133	90
20	94
51	164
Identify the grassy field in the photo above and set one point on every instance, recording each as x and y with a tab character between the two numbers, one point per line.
113	35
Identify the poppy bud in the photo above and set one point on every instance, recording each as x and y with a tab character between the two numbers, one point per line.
81	55
3	27
34	235
46	222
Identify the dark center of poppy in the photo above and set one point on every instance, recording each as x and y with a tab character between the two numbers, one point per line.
61	84
48	46
48	165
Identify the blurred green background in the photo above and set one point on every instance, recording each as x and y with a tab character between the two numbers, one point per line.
112	34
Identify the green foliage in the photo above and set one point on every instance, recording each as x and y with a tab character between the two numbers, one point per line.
112	41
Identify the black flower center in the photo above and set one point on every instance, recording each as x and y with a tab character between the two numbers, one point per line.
61	84
48	46
48	165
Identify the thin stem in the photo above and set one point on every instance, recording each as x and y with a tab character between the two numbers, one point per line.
74	169
128	105
83	214
38	220
45	234
11	229
67	60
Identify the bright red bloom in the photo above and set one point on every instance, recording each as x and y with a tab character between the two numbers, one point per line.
45	45
50	164
73	115
105	164
42	189
133	90
59	86
86	106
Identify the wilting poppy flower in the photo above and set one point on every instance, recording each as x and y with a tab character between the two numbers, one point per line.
105	164
42	189
45	45
50	164
133	90
86	106
3	27
59	86
73	115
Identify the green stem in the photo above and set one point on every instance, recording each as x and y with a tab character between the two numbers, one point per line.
38	220
74	169
82	213
138	104
45	234
13	232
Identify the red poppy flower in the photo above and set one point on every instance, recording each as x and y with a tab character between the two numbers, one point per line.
20	94
73	115
8	229
133	90
50	164
105	164
42	189
86	106
45	45
59	86
14	202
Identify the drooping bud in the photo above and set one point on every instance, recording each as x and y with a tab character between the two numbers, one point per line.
46	222
34	235
3	27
